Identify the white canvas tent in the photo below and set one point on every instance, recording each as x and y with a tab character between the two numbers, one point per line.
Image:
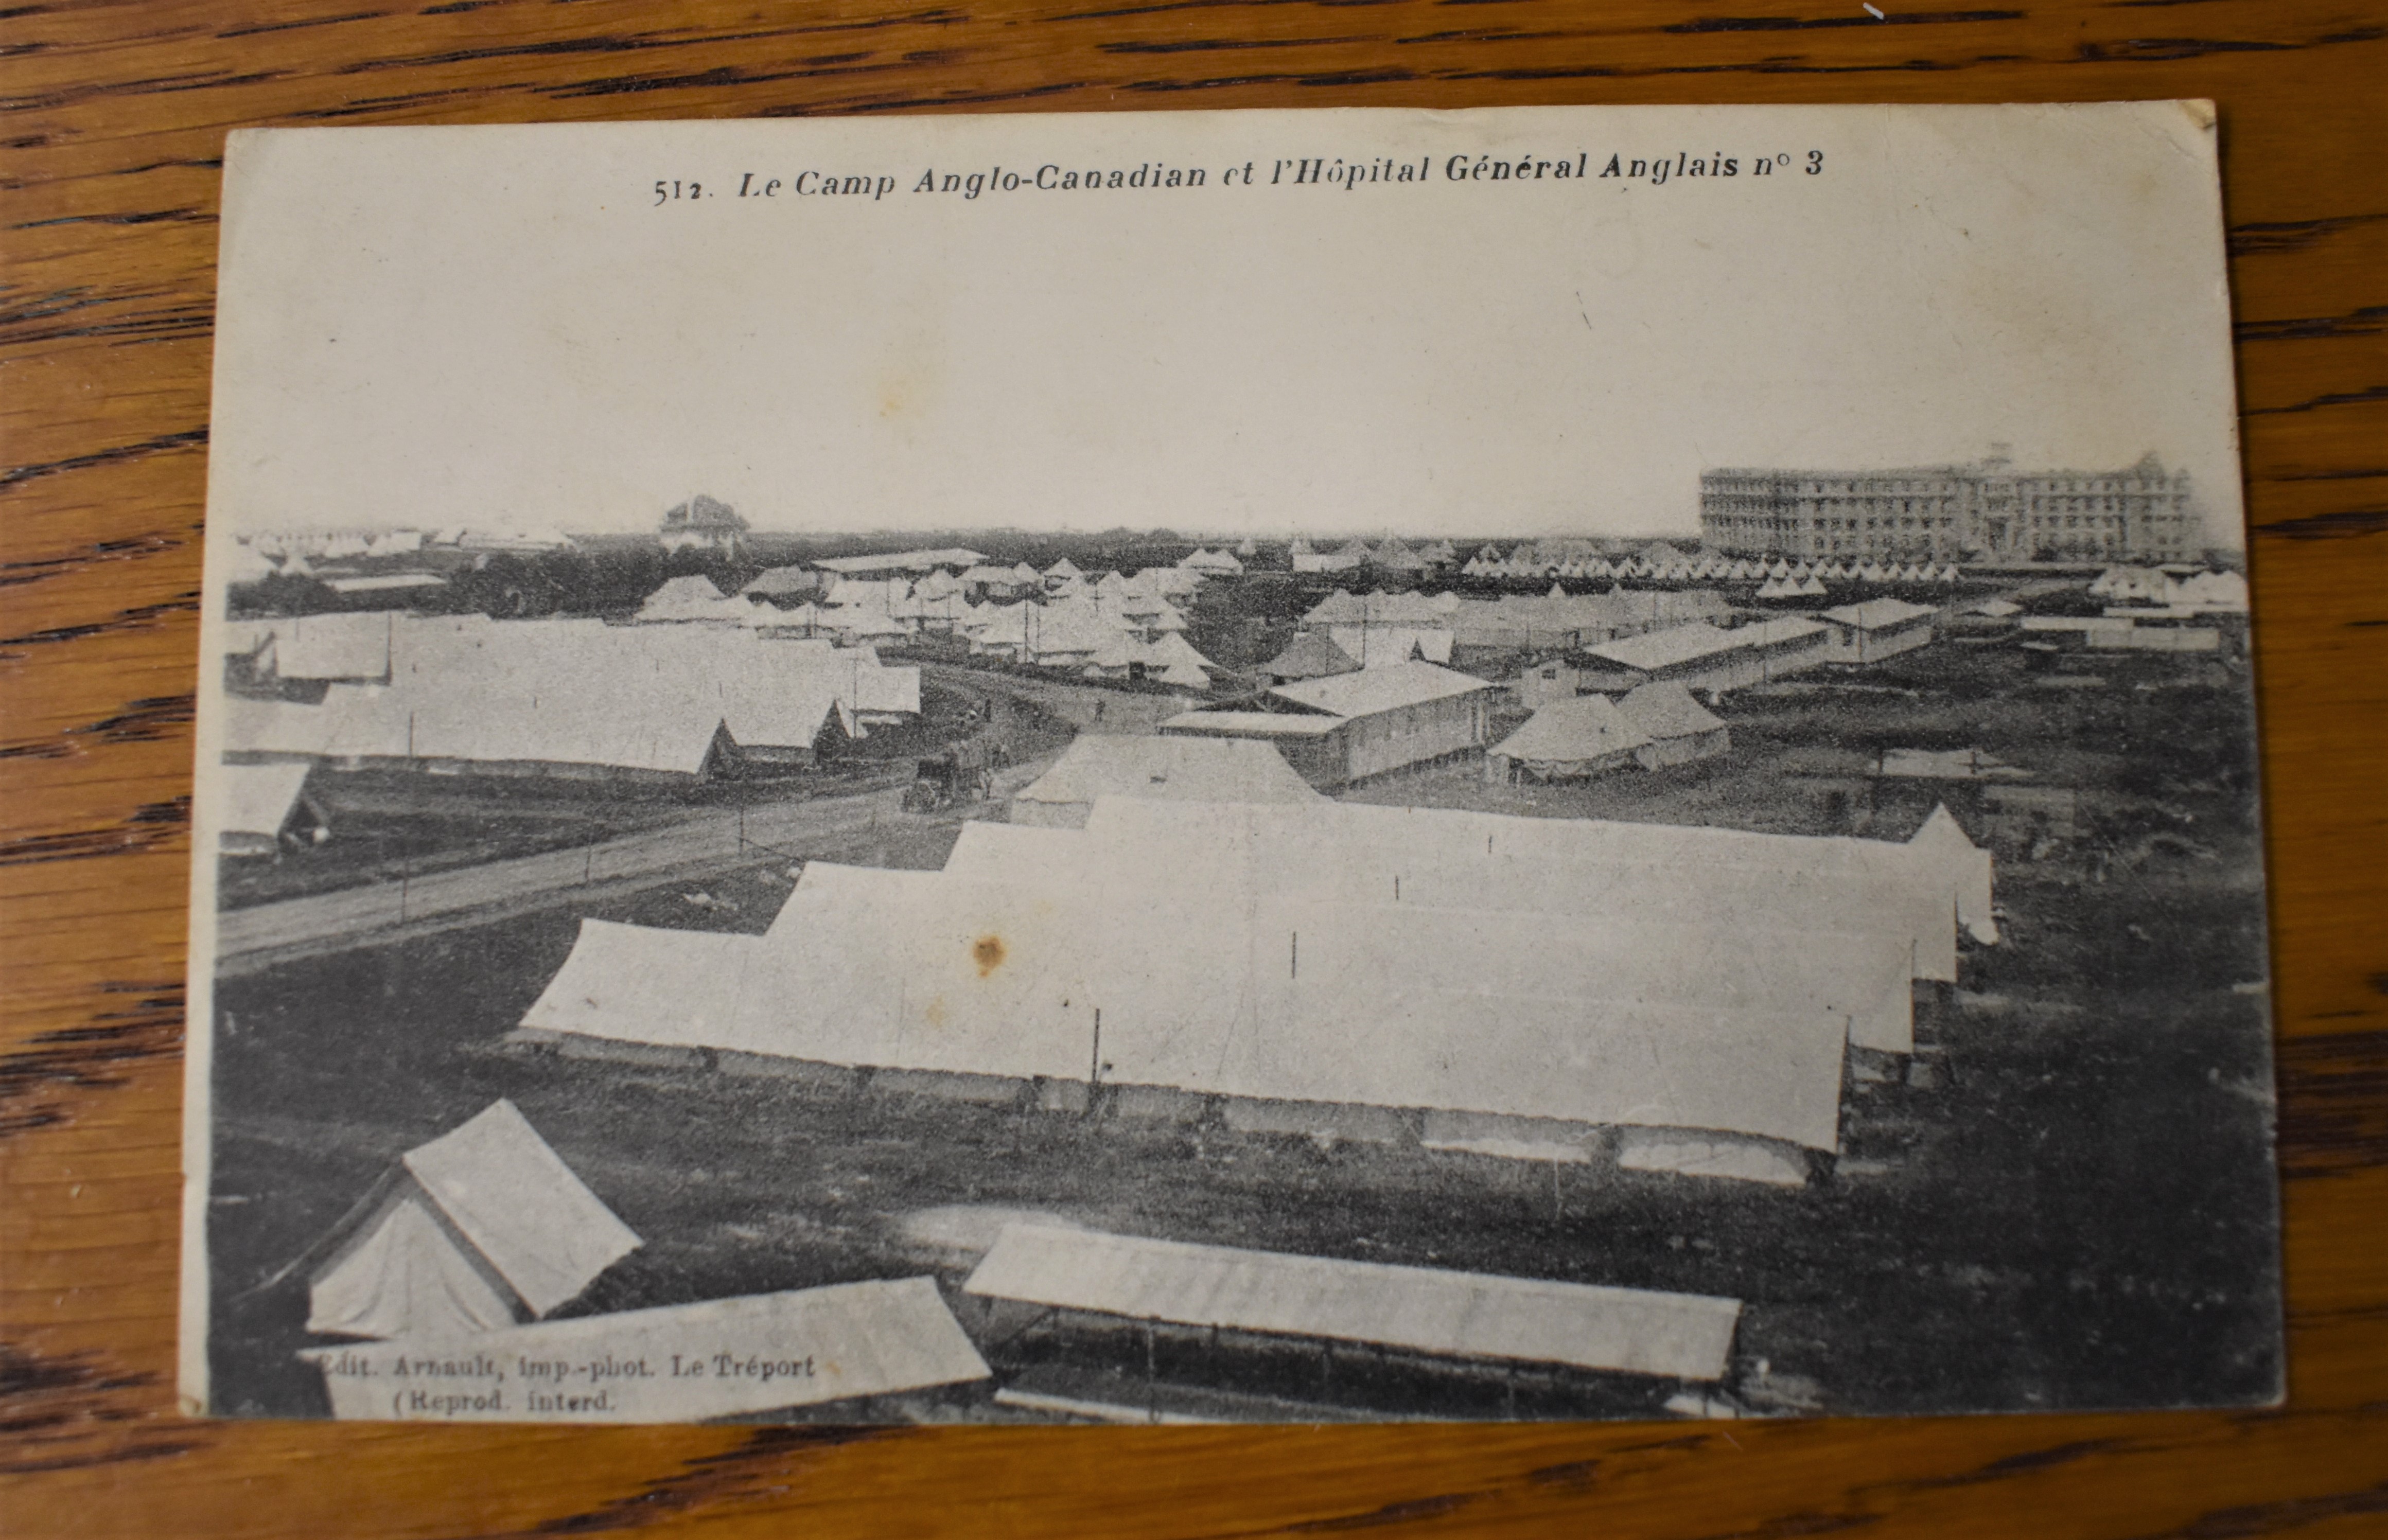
261	802
692	598
1679	728
1193	984
1917	892
1337	954
1177	769
334	647
582	697
480	1229
1568	738
1741	965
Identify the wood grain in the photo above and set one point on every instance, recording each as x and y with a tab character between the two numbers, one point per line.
112	117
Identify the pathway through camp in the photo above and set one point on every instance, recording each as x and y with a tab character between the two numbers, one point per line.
251	939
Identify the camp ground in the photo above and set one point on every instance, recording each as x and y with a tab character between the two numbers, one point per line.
1056	1276
482	1228
676	1363
1526	1037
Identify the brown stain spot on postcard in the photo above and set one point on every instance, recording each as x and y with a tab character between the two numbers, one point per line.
988	951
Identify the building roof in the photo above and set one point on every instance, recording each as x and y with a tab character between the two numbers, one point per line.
1180	769
1252	723
1664	709
1678	644
1875	614
1777	631
385	582
2148	467
1580	730
1423	1309
514	1198
1684	644
1371	690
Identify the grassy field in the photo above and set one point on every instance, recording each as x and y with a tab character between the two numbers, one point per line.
2078	1214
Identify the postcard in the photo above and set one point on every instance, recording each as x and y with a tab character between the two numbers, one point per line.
1567	763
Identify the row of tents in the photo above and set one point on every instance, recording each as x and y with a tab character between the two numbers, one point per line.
1112	628
574	698
1561	975
253	559
1653	725
1665	564
2201	591
1377	628
1390	555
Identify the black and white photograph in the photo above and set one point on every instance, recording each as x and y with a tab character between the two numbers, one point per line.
1274	766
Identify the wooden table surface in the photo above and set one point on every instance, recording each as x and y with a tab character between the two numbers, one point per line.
112	117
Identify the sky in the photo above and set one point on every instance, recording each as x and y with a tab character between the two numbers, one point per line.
510	328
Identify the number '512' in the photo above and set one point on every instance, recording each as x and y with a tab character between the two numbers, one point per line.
666	191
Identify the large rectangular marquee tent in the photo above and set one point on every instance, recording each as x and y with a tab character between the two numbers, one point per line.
1510	967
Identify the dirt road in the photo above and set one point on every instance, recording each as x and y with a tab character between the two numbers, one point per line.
251	939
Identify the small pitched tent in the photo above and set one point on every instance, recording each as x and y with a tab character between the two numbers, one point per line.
264	803
1311	655
484	1227
1679	728
353	646
248	564
1567	740
1170	769
692	597
1968	867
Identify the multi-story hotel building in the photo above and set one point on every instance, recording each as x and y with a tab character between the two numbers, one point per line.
1985	511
